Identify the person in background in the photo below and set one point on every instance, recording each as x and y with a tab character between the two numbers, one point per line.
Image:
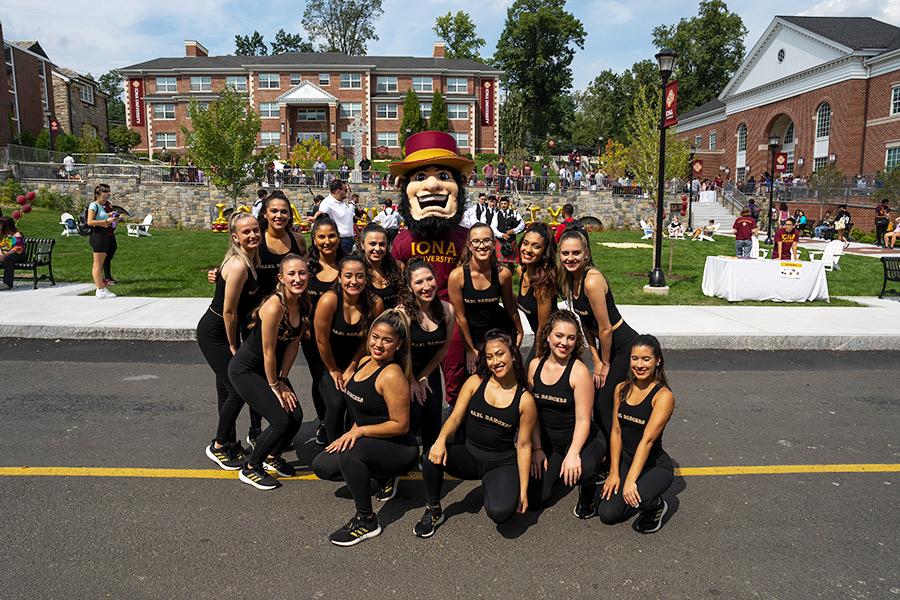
344	171
842	223
890	238
568	213
260	197
12	247
69	165
388	218
786	239
488	172
824	225
706	230
882	221
745	228
102	220
783	214
754	209
507	224
342	213
314	209
365	166
319	169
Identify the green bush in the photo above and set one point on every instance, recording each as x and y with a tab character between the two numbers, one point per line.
43	140
9	190
56	201
66	142
26	138
486	157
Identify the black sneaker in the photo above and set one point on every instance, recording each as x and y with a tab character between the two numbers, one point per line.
258	478
587	504
387	489
280	466
429	522
224	457
651	520
321	435
239	451
355	531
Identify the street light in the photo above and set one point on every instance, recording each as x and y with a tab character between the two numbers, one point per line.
774	142
691	188
665	58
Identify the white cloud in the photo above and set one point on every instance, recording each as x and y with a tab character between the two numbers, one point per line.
610	13
883	10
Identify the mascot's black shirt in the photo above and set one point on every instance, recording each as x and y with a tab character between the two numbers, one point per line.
442	253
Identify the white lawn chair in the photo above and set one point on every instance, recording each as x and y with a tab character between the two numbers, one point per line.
648	230
142	228
708	235
676	233
830	255
756	251
68	224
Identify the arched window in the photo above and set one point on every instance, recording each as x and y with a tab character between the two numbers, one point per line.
742	138
789	135
823	121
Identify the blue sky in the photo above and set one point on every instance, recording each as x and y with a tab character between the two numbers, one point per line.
97	35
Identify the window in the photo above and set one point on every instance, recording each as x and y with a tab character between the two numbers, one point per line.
269	81
741	174
712	140
87	94
698	139
818	163
892	158
425	109
462	139
457	111
823	121
742	138
346	139
423	84
295	78
269	138
166	85
457	85
237	83
386	84
789	135
387	139
324	78
351	81
385	111
350	110
308	135
895	100
201	83
310	114
164	111
203	105
166	140
268	110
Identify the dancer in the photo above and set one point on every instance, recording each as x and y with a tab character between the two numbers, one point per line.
565	446
385	278
537	278
275	220
640	470
102	220
259	372
379	444
499	415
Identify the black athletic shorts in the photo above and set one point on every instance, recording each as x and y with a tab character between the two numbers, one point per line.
101	241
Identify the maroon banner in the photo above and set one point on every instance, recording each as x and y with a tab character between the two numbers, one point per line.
671	98
487	102
781	162
697	168
136	97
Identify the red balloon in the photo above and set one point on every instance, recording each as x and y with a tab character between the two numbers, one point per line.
30	196
21	199
26	208
16	215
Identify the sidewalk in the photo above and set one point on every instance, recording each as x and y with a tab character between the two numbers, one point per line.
59	312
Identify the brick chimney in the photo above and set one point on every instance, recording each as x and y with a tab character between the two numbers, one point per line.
439	50
194	48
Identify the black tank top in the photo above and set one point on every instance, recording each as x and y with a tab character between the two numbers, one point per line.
269	261
247	301
389	295
490	431
249	357
582	307
528	304
367	406
316	287
344	337
633	420
556	406
483	310
424	344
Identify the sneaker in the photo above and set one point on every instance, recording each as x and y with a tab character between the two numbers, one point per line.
239	451
387	489
258	478
429	522
280	466
356	530
587	505
651	520
252	437
103	293
224	457
321	435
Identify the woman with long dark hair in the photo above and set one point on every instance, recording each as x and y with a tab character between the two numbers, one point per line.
385	274
275	221
640	470
537	278
12	249
102	220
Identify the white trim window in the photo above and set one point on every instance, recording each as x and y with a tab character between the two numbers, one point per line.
386	111
895	100
742	138
386	83
892	158
166	140
237	83
269	110
87	93
310	114
351	81
164	112
346	139
295	78
350	110
457	85
269	138
324	78
269	81
458	111
201	83
387	139
819	162
698	139
425	109
823	121
166	85
713	140
462	139
423	84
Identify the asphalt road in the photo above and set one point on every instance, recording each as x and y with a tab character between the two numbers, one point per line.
140	404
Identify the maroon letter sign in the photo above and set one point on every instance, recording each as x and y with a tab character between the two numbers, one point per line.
136	95
487	102
781	162
671	104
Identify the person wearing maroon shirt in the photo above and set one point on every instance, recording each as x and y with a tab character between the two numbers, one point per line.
786	240
568	212
744	230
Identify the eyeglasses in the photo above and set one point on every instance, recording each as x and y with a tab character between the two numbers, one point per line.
485	243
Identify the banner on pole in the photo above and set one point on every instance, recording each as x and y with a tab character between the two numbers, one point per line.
136	97
697	168
487	102
781	162
671	98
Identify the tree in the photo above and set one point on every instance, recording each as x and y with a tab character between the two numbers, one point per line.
344	26
223	143
514	124
123	138
890	184
827	181
412	117
535	52
439	121
89	144
43	140
458	31
307	152
111	84
250	45
710	49
643	150
66	142
289	42
614	160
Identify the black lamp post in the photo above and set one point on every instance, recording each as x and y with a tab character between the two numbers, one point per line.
774	142
691	188
666	60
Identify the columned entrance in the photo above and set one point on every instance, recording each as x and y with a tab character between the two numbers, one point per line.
308	111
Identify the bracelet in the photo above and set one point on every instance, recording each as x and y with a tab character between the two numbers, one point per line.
274	385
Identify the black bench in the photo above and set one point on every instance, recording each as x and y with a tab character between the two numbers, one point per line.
891	273
38	253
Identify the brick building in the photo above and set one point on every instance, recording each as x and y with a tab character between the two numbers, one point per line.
302	95
79	102
828	87
29	99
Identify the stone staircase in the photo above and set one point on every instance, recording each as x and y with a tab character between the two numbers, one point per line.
703	212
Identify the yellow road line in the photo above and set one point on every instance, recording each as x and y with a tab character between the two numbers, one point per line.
308	476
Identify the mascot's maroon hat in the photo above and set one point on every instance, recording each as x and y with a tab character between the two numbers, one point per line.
431	148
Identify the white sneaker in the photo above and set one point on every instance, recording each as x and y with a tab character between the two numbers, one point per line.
104	293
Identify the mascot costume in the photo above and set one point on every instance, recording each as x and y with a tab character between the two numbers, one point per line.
432	181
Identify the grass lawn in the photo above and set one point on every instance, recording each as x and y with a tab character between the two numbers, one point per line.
173	262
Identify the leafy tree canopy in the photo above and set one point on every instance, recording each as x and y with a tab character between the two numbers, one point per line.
344	26
458	31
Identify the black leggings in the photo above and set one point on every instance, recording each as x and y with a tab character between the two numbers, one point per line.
317	371
425	419
214	345
540	490
9	264
499	480
651	484
369	458
337	417
283	425
620	361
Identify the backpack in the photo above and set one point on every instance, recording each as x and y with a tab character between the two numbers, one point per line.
577	226
81	224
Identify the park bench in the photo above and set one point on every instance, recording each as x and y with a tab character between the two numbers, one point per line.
38	253
891	273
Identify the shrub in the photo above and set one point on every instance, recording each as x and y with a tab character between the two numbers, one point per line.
56	201
9	190
66	142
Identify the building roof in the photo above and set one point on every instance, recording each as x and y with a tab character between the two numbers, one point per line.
708	107
70	74
30	46
858	33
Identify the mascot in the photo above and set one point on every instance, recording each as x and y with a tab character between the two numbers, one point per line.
432	181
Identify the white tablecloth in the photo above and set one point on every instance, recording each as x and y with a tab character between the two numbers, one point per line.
708	196
736	279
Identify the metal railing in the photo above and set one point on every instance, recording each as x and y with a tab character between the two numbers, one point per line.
17	153
81	172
